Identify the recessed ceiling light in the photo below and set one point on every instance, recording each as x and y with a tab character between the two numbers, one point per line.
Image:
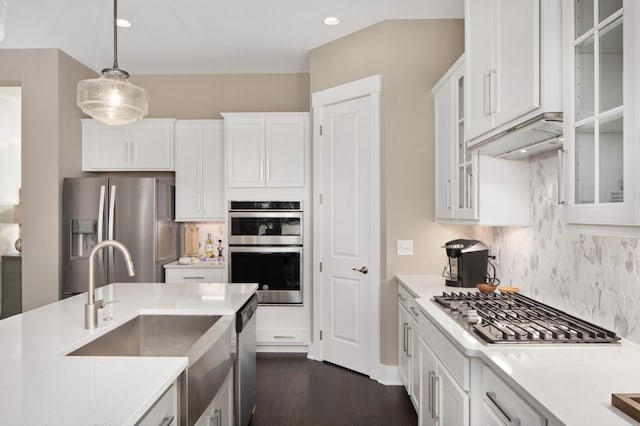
523	151
123	23
331	20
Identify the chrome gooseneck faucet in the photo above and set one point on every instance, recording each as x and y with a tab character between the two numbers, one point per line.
92	306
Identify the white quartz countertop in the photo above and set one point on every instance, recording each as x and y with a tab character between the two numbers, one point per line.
41	386
573	382
202	264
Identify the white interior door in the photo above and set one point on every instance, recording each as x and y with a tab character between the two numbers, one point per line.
346	233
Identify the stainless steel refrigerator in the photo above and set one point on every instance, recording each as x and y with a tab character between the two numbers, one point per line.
138	212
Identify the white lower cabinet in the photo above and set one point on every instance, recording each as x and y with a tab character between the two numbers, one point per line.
220	411
164	411
194	275
404	324
502	406
443	401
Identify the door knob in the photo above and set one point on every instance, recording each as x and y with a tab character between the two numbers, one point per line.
364	270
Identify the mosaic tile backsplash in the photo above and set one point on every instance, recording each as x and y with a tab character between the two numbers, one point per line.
596	278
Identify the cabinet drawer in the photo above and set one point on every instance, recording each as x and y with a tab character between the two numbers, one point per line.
502	405
280	336
164	411
456	363
404	297
194	275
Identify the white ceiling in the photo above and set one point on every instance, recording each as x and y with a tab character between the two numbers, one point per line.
202	36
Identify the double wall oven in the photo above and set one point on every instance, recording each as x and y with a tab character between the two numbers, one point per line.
265	247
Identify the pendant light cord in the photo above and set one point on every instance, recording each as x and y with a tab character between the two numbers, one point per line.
115	34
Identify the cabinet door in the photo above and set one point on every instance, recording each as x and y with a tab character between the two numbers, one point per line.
444	143
213	207
600	124
104	147
404	321
245	152
285	144
414	361
164	411
481	76
452	401
189	161
152	145
428	368
517	63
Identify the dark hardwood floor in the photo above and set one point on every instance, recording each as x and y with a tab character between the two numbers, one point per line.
295	391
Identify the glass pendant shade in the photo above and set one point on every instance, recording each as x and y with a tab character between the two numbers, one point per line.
111	99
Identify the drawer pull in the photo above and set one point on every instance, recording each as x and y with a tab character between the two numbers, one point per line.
284	337
414	311
404	337
491	397
193	278
408	340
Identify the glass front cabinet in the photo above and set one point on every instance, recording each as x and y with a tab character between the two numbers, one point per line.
601	124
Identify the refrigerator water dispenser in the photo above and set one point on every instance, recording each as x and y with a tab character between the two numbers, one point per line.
84	236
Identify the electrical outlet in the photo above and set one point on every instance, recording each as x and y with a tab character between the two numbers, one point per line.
405	247
494	250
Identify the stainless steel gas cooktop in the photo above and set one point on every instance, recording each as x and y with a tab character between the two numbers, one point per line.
514	318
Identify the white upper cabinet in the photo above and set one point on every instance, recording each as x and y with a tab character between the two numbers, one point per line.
601	131
266	149
200	170
513	63
144	145
470	188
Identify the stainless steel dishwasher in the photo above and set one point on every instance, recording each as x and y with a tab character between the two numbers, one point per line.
245	363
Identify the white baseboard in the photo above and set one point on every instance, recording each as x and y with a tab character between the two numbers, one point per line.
388	375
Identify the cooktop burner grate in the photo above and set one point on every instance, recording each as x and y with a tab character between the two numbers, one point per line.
514	318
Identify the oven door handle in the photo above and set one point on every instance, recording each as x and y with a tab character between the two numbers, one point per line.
265	249
265	214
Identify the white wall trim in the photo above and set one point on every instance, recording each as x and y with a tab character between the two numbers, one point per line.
345	92
371	87
389	375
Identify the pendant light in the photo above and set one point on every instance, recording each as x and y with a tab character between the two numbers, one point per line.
110	98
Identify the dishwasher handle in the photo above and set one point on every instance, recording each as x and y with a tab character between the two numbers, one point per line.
244	314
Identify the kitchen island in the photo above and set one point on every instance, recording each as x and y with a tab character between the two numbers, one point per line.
40	385
566	383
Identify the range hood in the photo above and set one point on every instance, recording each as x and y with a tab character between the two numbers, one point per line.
538	134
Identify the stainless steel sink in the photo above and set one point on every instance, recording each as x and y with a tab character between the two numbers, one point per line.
204	339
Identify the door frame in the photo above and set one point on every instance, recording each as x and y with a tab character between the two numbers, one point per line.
366	87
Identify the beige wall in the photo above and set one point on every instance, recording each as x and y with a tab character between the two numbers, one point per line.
207	95
411	56
52	137
40	72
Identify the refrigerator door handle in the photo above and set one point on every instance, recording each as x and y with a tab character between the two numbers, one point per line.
102	271
112	210
101	212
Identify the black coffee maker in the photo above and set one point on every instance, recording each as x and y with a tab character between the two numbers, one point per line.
467	263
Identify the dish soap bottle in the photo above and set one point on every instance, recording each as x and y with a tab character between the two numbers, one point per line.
208	246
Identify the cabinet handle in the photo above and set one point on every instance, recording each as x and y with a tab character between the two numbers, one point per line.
448	193
561	159
487	94
193	278
404	337
408	342
469	191
430	387
414	311
204	202
493	80
436	398
268	169
284	337
217	414
133	152
166	421
493	402
401	297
